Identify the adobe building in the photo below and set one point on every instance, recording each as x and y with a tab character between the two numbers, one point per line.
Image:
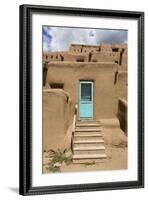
86	83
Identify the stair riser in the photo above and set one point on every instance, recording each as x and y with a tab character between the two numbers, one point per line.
87	122
80	152
88	130
88	134
88	145
85	161
88	141
90	127
76	138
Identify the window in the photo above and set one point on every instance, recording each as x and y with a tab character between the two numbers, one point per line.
115	49
57	85
86	92
80	59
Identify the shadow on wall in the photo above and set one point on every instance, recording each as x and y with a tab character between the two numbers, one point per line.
57	119
122	114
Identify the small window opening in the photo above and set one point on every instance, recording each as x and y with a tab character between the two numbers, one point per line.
115	49
80	60
57	85
62	58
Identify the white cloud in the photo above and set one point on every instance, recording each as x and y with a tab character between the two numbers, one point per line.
62	37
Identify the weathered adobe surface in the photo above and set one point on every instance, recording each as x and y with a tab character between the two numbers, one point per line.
57	112
90	53
57	119
103	75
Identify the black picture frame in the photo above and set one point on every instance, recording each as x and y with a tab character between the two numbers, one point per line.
25	181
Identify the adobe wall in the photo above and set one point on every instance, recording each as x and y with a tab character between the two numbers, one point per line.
77	57
77	48
90	53
57	119
124	58
105	48
105	57
89	49
53	56
103	75
65	56
122	85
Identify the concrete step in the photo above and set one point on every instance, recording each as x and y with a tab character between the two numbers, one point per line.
91	148
87	122
87	144
87	125
88	141
86	161
89	156
87	134
88	137
88	152
88	129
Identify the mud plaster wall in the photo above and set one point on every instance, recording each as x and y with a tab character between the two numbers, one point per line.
105	96
105	57
121	86
122	92
103	53
124	58
57	119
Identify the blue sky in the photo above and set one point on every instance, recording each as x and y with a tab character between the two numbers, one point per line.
60	38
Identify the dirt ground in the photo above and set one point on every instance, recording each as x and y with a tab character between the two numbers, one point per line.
116	160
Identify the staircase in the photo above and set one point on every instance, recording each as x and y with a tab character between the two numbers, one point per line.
87	142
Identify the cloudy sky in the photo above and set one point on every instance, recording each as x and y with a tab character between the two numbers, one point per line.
60	38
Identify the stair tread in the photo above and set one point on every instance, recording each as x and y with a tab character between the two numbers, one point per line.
87	121
89	148
89	125
90	156
88	141
88	129
87	134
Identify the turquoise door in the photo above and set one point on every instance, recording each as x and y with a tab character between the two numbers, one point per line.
86	99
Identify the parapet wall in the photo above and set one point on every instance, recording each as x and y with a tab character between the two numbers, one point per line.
105	57
89	53
57	119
